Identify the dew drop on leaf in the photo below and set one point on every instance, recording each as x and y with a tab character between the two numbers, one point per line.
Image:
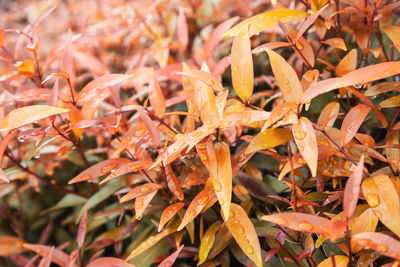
217	186
373	200
305	226
250	250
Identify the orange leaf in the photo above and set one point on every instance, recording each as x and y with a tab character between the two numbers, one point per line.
222	183
328	115
278	112
382	243
168	213
347	64
270	45
25	67
99	169
140	191
266	20
381	196
167	262
352	122
308	22
205	77
156	97
122	169
10	245
173	183
308	223
366	222
340	261
108	262
306	142
268	139
243	231
26	115
58	257
352	190
242	66
196	206
336	42
216	37
182	29
142	202
392	31
82	228
357	78
286	77
151	128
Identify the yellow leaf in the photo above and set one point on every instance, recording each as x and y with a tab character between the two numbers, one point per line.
266	20
381	196
286	77
242	66
393	32
268	139
207	242
22	116
243	231
340	261
306	142
26	67
366	222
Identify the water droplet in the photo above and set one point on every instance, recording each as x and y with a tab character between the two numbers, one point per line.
139	133
211	83
363	242
217	186
240	229
305	226
309	76
185	80
37	156
242	157
250	250
299	134
21	139
202	200
203	157
281	222
299	46
108	168
221	202
235	69
168	264
191	88
378	214
192	214
358	85
144	189
231	214
381	248
373	200
138	204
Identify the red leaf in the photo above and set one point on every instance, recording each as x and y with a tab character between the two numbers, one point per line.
352	190
167	262
82	228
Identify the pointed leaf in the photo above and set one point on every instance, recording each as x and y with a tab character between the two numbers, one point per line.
266	20
243	231
306	142
268	139
391	102
336	42
168	213
242	66
140	191
196	206
352	122
328	115
207	242
347	64
358	77
307	23
26	115
308	223
58	257
366	222
340	261
157	100
10	245
142	202
381	196
173	183
223	182
151	128
352	190
382	243
205	77
392	31
109	262
278	112
99	169
82	229
182	29
167	262
286	77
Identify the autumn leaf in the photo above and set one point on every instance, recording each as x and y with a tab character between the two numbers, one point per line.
352	122
382	243
242	66
268	139
82	229
336	42
347	64
207	242
156	97
358	77
352	189
168	261
306	142
328	115
381	196
59	257
340	261
173	183
242	230
366	222
182	29
142	202
10	245
26	115
266	20
108	261
196	206
308	223
140	191
168	213
286	77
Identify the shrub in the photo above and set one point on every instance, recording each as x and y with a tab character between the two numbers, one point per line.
254	133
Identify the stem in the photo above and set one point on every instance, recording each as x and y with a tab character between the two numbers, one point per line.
243	102
389	130
160	120
291	256
340	149
338	30
294	199
348	237
299	52
66	190
71	91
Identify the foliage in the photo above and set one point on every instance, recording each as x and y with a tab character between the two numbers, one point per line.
208	132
